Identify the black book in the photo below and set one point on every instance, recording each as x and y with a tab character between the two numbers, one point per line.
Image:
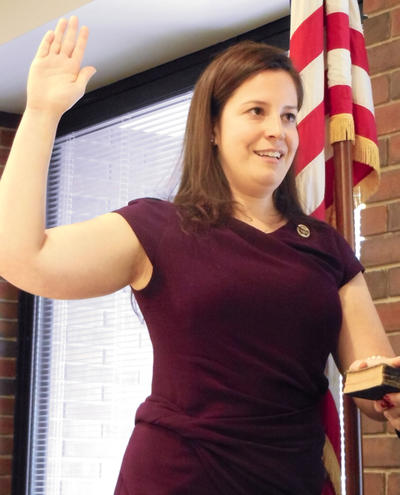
373	382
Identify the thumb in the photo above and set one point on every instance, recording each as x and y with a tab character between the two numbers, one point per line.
395	362
357	365
85	74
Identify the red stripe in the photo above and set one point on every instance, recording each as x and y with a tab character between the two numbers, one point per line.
311	136
303	47
364	123
337	31
360	171
319	212
340	99
358	51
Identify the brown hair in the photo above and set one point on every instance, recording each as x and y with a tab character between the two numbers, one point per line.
204	196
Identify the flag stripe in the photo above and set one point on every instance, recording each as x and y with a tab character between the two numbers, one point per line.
338	26
311	125
302	51
302	9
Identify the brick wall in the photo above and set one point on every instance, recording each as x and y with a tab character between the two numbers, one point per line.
380	252
8	351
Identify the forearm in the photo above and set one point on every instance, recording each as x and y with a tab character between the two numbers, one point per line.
23	187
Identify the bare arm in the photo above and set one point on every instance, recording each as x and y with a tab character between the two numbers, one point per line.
81	260
362	335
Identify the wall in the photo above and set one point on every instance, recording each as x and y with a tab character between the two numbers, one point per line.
380	252
8	351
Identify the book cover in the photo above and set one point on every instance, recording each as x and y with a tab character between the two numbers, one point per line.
373	382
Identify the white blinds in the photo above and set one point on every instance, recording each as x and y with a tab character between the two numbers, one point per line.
93	357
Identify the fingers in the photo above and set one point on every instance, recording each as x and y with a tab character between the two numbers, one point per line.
68	42
55	46
44	46
85	74
80	45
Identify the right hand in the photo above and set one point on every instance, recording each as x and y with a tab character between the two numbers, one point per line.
56	81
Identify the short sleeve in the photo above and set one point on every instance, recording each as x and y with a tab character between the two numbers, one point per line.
148	218
350	263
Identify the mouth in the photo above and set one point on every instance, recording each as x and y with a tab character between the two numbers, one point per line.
270	154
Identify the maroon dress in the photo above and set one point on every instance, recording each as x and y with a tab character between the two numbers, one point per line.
242	323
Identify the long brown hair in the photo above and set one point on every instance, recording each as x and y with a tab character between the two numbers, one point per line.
204	197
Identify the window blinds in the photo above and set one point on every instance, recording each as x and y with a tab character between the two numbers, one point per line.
92	363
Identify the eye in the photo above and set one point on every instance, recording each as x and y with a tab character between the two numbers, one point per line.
256	111
290	117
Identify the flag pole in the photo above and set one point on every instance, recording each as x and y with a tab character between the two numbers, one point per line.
344	211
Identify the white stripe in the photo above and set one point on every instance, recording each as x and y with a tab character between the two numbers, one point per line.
362	91
300	10
310	184
313	82
339	67
332	6
355	17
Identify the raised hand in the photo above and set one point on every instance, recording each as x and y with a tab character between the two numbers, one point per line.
56	80
389	405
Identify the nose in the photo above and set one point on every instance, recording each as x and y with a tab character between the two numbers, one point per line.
274	127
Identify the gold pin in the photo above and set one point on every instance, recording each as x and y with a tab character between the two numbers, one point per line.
303	230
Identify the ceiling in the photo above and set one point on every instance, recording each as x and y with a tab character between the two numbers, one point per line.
126	36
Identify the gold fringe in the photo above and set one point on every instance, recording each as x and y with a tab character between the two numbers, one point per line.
341	128
366	151
332	465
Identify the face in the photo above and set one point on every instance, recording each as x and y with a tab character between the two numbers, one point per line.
256	134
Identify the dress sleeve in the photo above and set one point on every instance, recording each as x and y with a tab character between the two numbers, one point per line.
148	219
350	263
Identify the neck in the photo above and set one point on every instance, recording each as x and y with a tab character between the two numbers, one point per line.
258	211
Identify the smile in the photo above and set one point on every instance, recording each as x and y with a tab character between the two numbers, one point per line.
269	154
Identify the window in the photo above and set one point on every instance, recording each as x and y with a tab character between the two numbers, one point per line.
93	362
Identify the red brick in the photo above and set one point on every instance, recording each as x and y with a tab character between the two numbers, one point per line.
373	220
388	117
389	313
380	250
8	291
6	137
381	452
394	340
377	28
8	310
6	445
383	151
8	329
371	426
374	483
6	425
377	282
394	149
7	367
5	466
393	484
5	485
380	89
395	85
389	186
394	216
8	348
394	282
3	155
395	21
7	405
370	6
384	57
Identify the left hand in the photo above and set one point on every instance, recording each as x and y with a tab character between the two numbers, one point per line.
389	405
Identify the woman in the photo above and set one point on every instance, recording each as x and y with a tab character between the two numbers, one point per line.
259	293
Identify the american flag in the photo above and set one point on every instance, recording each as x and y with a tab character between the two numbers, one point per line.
328	49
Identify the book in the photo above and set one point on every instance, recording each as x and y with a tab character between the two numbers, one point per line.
373	382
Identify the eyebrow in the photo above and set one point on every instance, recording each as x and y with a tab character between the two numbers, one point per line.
260	102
